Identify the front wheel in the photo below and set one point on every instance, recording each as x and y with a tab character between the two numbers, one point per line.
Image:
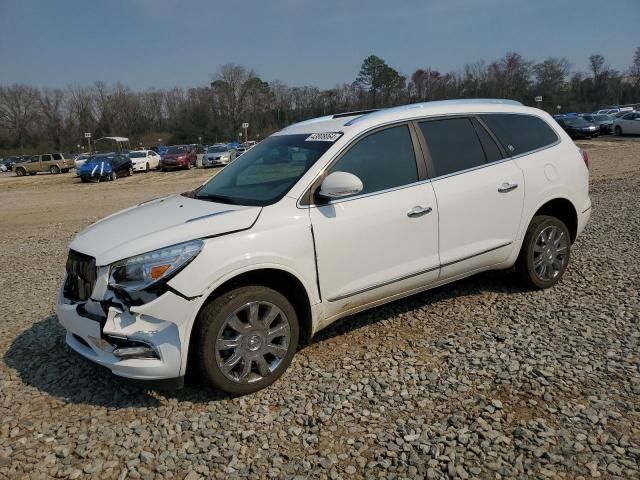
130	171
246	338
618	130
112	176
54	170
146	170
20	172
545	252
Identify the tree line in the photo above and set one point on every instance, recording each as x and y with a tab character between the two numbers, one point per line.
33	119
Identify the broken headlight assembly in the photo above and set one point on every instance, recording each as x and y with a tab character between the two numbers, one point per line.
140	272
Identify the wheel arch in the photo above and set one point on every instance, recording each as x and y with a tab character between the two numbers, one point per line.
563	209
280	280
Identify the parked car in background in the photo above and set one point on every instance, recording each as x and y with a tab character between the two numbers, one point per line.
10	162
80	159
629	123
578	127
144	160
218	155
3	167
178	156
604	122
319	221
607	111
622	113
106	166
240	149
48	162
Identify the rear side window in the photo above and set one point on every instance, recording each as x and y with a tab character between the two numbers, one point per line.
382	160
520	134
57	156
453	145
491	150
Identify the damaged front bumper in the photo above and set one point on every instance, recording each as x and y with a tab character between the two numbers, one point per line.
143	342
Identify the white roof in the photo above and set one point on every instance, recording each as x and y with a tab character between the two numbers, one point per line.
117	139
404	112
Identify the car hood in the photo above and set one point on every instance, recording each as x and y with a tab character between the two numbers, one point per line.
160	223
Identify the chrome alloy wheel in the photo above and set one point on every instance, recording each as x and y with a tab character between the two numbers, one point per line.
252	342
550	253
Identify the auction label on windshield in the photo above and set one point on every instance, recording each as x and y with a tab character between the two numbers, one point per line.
323	137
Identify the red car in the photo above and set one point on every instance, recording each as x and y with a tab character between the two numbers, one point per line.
178	156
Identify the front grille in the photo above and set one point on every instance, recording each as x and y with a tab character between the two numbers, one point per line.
81	276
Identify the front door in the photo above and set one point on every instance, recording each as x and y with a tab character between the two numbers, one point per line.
382	241
480	195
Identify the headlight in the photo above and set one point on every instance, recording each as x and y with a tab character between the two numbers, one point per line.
142	271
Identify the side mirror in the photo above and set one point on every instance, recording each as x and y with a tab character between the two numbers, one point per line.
340	184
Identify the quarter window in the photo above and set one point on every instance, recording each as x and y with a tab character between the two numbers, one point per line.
453	145
491	150
520	134
382	160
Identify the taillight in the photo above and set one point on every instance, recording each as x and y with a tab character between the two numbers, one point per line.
585	157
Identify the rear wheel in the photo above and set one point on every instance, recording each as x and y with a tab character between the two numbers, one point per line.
545	252
188	167
54	169
130	171
21	172
146	170
618	130
112	176
246	338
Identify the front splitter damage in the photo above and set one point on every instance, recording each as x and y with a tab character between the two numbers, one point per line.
156	329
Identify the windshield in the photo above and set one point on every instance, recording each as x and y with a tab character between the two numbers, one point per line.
137	154
264	174
176	149
217	149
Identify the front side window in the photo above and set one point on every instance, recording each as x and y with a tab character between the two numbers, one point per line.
519	133
264	174
46	158
453	144
382	160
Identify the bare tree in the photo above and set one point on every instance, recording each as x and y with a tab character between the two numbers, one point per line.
19	109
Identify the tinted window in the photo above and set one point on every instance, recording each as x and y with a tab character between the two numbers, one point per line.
453	145
520	133
491	150
35	159
57	156
46	158
381	160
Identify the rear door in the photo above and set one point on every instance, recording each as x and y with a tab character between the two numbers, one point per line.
479	193
45	162
384	240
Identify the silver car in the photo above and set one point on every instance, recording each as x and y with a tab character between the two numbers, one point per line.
218	155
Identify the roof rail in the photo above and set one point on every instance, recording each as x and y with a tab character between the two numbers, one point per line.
355	113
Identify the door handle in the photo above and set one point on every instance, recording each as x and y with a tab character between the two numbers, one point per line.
418	211
507	187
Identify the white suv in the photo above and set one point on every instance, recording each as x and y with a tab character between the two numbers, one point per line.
323	219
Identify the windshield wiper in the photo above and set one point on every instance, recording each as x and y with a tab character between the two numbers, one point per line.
216	198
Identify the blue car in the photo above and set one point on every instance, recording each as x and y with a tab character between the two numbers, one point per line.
106	166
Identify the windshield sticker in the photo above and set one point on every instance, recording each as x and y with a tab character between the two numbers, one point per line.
323	137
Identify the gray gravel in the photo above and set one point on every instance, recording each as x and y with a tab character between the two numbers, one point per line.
475	379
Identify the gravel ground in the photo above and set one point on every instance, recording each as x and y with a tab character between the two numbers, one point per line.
476	379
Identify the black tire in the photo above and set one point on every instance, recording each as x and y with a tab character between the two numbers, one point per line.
188	167
212	318
83	180
66	170
146	170
525	266
112	176
54	170
130	171
21	172
163	169
618	130
32	173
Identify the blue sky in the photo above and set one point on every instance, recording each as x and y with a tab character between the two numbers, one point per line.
166	43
